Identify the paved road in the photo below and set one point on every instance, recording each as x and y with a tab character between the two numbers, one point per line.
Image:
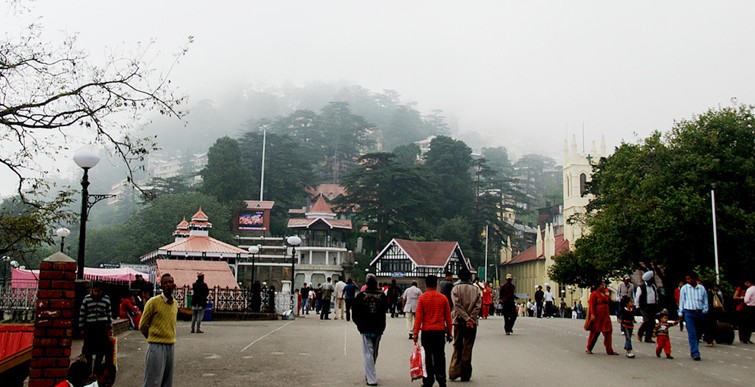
311	352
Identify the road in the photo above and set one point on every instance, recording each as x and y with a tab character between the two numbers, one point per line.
312	352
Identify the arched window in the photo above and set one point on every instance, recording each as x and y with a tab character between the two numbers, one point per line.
568	186
582	183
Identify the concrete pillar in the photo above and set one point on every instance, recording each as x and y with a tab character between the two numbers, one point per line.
53	324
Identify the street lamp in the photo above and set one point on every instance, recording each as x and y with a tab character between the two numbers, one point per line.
254	250
293	241
63	234
85	159
13	264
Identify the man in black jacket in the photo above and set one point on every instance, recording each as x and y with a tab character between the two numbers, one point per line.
198	302
370	308
539	295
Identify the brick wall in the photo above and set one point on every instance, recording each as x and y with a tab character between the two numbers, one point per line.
53	324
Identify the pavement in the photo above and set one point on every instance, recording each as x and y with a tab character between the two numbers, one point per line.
308	351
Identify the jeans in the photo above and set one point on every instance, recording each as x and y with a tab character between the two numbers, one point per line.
197	314
628	339
694	321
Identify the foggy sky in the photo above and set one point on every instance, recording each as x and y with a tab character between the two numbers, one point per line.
522	74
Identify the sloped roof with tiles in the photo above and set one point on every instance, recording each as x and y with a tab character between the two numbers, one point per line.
331	223
435	254
184	273
329	191
532	255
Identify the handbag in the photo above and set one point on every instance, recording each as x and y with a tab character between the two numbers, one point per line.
417	368
717	304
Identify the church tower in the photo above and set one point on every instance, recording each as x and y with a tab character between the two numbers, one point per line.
577	172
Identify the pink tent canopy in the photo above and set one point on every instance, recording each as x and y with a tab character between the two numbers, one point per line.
28	278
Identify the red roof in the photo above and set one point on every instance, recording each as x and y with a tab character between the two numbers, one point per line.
216	273
428	253
321	207
330	191
15	345
198	243
531	253
307	223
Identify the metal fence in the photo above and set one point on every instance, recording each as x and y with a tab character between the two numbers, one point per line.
18	304
237	300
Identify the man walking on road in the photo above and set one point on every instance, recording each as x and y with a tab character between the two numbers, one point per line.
693	306
434	321
467	303
158	325
409	300
445	287
539	295
340	299
549	299
327	293
508	299
370	307
646	298
198	302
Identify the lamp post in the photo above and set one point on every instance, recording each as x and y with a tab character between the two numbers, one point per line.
10	262
62	233
293	241
254	250
85	159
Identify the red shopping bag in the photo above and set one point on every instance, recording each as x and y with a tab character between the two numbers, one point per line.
417	368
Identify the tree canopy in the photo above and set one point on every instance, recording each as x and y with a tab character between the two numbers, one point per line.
652	203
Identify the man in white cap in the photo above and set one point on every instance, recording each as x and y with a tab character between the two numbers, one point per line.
625	288
646	298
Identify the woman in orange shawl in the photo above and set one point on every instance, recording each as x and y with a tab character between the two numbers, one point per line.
599	319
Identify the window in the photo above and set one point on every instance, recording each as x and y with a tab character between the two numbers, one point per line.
582	184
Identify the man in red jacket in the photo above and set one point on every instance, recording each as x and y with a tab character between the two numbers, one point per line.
433	319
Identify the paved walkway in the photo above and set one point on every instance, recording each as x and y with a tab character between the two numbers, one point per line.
313	352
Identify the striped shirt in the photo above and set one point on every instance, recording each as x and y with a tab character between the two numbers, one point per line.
95	311
693	298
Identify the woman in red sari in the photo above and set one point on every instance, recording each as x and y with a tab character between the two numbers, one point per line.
487	300
599	319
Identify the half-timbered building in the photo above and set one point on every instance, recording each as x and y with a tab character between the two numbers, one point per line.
407	261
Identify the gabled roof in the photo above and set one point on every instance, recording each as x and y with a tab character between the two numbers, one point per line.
216	273
320	207
331	223
330	191
200	220
435	254
531	253
259	204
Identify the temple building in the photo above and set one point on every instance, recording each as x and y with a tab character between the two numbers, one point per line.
190	251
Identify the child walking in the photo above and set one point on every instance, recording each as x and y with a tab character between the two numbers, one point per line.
627	323
661	334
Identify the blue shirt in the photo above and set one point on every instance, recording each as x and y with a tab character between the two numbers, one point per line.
693	298
350	291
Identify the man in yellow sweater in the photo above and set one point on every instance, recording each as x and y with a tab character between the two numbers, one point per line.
158	325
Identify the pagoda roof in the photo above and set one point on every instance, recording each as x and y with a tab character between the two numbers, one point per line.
194	245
